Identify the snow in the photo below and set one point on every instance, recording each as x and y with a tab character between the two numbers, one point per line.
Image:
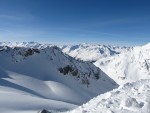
128	98
91	52
40	76
129	66
122	64
29	93
25	44
20	102
31	79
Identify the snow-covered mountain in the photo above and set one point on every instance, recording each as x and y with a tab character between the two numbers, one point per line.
129	66
91	52
122	64
41	73
129	98
34	77
34	45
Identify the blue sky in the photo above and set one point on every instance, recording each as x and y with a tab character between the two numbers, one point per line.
120	22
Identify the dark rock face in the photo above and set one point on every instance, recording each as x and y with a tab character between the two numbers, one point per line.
31	52
45	111
68	69
83	77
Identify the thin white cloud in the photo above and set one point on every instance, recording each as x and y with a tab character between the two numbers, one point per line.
121	21
5	31
11	17
24	16
109	22
20	35
85	31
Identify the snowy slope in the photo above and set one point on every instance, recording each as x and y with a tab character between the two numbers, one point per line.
129	98
89	52
21	93
127	67
48	78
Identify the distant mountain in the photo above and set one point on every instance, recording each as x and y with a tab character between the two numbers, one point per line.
36	76
129	98
34	45
122	64
129	66
89	52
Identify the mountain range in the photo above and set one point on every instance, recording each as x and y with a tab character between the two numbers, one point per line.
62	77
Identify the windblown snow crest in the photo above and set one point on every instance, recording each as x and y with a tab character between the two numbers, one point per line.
129	98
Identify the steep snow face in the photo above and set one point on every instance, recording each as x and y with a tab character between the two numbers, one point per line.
129	98
127	67
88	52
45	76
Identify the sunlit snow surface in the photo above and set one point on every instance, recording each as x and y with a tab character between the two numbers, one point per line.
129	66
122	64
93	52
129	98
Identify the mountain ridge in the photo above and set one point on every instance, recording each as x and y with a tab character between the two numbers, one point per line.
47	74
129	66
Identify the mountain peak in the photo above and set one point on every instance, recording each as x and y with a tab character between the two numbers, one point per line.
147	46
